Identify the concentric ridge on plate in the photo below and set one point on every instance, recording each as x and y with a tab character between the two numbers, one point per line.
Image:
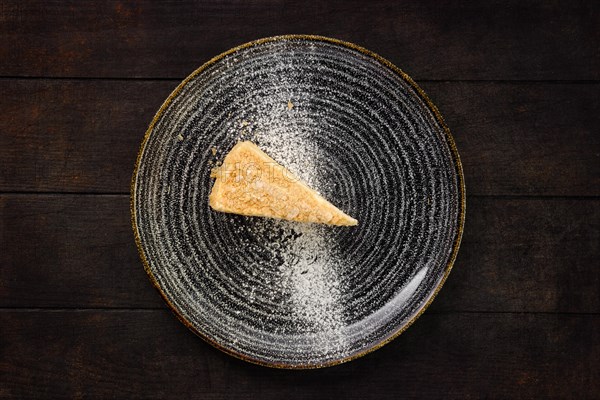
360	132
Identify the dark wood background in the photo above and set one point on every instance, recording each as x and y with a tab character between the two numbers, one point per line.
519	85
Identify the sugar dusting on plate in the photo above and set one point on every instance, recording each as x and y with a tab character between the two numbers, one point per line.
309	262
289	294
310	273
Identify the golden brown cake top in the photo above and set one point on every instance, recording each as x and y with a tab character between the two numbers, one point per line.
251	183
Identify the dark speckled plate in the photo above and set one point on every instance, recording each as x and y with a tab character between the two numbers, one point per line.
355	128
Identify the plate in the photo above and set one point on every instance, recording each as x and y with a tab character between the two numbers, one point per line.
355	128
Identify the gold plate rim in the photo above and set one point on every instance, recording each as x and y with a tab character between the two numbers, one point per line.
449	140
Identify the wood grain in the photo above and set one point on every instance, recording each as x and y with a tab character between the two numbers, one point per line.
520	255
524	139
70	251
518	84
149	354
514	139
431	39
517	255
74	135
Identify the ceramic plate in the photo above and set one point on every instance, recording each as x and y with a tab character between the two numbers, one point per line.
356	129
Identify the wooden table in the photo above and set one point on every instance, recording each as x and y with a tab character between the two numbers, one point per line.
519	85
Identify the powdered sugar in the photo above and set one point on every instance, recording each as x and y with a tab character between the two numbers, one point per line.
310	272
290	294
309	268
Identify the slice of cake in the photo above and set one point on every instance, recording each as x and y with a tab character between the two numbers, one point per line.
249	182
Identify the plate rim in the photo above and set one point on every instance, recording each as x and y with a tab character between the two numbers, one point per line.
449	141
